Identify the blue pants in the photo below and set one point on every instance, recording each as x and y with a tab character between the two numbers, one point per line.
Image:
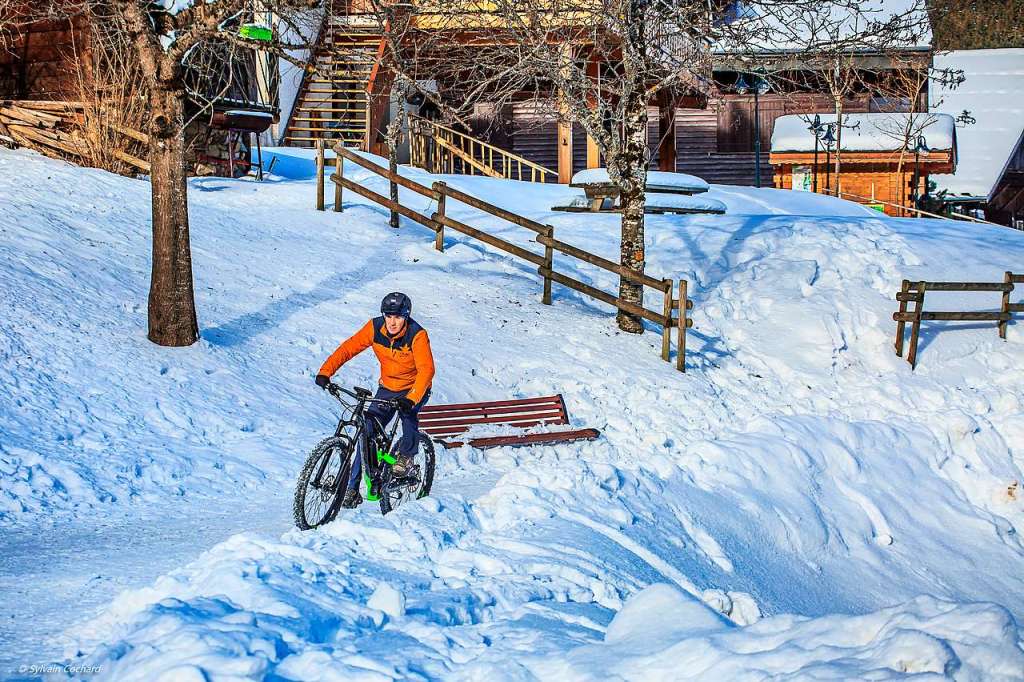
379	416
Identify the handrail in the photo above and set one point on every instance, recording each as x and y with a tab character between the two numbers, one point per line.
673	315
839	195
456	142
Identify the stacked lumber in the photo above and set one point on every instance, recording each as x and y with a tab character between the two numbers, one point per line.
56	129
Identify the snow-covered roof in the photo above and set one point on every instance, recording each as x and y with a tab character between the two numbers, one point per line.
867	132
680	181
993	93
767	26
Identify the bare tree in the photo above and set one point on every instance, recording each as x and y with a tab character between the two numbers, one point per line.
901	92
163	34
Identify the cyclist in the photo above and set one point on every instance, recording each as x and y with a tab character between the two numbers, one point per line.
406	371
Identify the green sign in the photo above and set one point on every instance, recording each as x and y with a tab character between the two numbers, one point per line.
256	32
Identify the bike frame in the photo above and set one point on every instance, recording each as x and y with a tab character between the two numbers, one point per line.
384	438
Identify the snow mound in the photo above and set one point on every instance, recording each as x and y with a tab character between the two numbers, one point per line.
669	636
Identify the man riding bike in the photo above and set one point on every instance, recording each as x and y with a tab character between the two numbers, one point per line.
406	371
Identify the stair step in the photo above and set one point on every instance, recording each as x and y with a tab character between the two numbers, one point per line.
332	110
351	120
331	91
325	129
308	104
314	139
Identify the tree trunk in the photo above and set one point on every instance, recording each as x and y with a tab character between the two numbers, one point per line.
631	167
839	141
394	129
393	167
172	308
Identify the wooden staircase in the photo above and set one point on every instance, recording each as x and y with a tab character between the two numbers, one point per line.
332	103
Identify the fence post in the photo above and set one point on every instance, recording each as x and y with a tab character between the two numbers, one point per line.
440	188
683	324
339	169
915	329
902	326
1005	307
549	264
666	329
320	175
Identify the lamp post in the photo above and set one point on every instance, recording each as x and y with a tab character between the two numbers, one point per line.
920	149
829	138
758	86
815	129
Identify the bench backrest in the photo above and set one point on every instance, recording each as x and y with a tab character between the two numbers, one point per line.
443	421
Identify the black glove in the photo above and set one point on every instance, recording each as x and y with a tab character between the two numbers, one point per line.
405	405
323	381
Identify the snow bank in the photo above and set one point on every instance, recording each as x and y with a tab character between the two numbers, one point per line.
866	132
993	94
667	635
799	467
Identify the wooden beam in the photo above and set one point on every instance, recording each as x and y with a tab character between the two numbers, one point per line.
666	131
564	141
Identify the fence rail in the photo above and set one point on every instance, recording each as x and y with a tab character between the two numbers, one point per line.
674	313
914	292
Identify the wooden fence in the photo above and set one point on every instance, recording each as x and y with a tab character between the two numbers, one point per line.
674	313
914	292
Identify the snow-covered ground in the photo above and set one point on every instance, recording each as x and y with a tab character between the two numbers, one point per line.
799	504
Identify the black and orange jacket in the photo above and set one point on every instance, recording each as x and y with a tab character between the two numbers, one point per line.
405	360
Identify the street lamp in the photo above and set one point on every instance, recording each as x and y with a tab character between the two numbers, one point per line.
829	138
920	149
758	86
815	129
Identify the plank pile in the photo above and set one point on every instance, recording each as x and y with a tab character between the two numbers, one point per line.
58	129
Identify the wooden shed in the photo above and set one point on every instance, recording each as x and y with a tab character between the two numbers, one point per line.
885	158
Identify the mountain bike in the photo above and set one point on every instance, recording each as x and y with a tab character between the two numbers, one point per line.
324	478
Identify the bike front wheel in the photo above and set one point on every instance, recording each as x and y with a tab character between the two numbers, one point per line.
397	490
322	482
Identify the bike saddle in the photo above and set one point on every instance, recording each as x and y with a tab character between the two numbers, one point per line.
362	392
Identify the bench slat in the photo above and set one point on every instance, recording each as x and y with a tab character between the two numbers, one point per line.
557	399
527	439
459	427
511	410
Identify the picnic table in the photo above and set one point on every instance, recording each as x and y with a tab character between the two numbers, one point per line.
601	193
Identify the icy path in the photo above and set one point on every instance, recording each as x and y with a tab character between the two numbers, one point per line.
57	577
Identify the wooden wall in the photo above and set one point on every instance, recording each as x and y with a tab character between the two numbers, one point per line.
45	59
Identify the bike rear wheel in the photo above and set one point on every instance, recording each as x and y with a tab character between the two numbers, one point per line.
322	482
396	491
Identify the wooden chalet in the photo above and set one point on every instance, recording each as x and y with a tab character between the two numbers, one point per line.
879	165
1006	200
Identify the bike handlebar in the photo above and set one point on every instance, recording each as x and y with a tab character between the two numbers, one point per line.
334	389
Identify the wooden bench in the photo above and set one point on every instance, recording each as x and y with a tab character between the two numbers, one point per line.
444	423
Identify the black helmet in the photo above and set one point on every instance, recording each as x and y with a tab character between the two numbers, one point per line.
396	303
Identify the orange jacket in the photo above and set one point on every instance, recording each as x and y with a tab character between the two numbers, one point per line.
405	360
